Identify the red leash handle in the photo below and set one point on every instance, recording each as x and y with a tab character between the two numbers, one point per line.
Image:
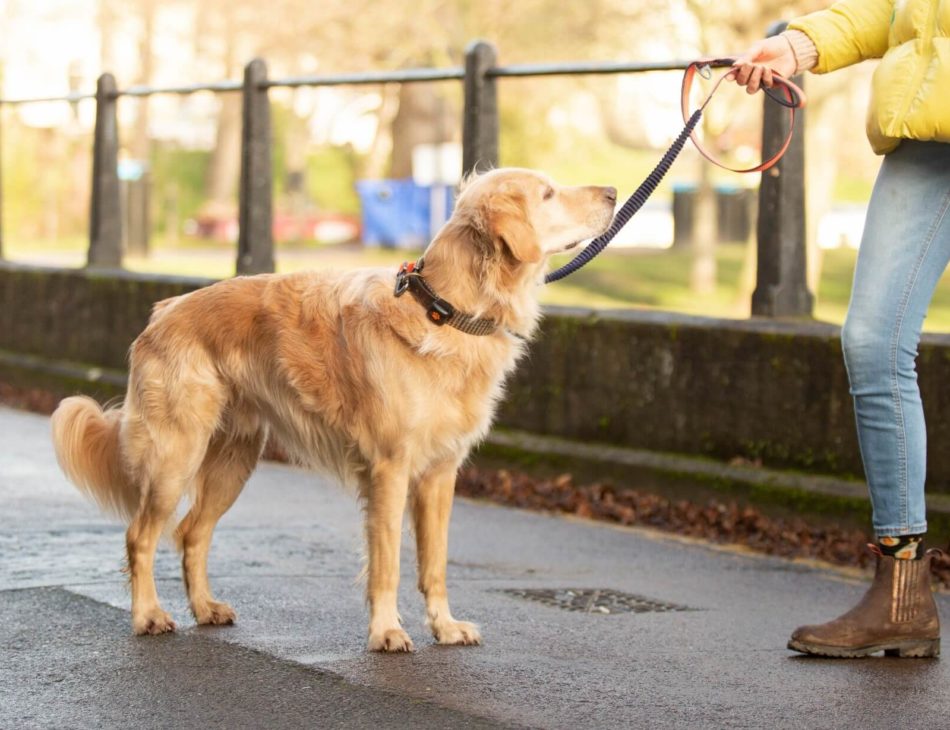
789	95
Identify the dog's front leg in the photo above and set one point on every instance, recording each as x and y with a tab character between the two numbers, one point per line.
431	510
386	492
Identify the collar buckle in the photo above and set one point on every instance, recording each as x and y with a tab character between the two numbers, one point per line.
402	278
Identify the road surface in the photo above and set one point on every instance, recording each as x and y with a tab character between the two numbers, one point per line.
705	647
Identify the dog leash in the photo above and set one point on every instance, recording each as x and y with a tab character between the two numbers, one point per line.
789	96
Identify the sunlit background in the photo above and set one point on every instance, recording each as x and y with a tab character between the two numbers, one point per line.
344	155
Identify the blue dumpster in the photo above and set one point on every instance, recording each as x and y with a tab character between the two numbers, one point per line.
398	213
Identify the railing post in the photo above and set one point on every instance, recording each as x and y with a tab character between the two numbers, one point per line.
105	217
255	237
480	118
781	287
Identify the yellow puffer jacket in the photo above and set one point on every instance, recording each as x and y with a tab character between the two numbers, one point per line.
910	93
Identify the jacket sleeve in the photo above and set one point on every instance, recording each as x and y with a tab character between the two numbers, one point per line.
847	32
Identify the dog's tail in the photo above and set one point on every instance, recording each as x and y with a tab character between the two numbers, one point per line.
86	439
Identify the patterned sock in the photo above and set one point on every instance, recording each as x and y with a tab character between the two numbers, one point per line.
902	547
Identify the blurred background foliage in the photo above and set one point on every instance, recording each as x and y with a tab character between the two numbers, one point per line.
587	129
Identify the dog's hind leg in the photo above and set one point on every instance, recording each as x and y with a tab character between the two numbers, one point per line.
385	489
171	466
431	501
170	416
227	465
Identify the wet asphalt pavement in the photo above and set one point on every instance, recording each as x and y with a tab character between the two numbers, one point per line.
287	558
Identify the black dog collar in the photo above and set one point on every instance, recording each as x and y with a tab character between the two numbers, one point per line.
438	311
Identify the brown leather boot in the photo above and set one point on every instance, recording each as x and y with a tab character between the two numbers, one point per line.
898	615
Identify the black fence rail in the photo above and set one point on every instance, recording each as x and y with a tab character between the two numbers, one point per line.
781	289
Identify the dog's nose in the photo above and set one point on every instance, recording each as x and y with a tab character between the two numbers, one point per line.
611	194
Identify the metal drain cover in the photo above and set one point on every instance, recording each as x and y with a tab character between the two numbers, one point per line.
593	600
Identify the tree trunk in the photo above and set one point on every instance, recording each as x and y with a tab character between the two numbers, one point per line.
141	145
702	278
821	172
295	164
423	118
375	165
106	33
224	170
225	166
136	202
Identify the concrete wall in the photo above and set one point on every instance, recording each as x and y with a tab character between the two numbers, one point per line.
77	315
756	389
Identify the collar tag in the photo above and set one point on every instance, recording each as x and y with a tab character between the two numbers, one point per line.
440	311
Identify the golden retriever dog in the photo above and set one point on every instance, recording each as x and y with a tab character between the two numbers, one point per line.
387	392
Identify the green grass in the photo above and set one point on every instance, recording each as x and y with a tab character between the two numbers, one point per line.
654	279
625	278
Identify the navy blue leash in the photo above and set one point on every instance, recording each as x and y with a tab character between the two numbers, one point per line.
629	208
793	99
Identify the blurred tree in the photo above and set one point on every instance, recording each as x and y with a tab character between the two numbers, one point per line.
107	25
300	36
141	142
225	38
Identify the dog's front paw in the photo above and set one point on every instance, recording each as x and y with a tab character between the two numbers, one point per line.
456	632
390	640
153	622
214	613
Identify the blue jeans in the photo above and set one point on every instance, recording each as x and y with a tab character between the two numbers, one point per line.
904	251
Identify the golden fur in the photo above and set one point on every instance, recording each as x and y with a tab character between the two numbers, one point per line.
346	376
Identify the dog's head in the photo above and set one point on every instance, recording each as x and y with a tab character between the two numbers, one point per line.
525	216
489	258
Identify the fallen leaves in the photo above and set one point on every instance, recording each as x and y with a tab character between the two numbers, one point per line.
28	399
716	521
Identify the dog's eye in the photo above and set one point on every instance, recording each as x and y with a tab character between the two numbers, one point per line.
549	193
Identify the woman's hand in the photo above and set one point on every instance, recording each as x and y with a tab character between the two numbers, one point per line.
754	67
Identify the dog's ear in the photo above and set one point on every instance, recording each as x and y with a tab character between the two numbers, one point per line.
510	227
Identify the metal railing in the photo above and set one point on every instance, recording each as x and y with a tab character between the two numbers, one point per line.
781	289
